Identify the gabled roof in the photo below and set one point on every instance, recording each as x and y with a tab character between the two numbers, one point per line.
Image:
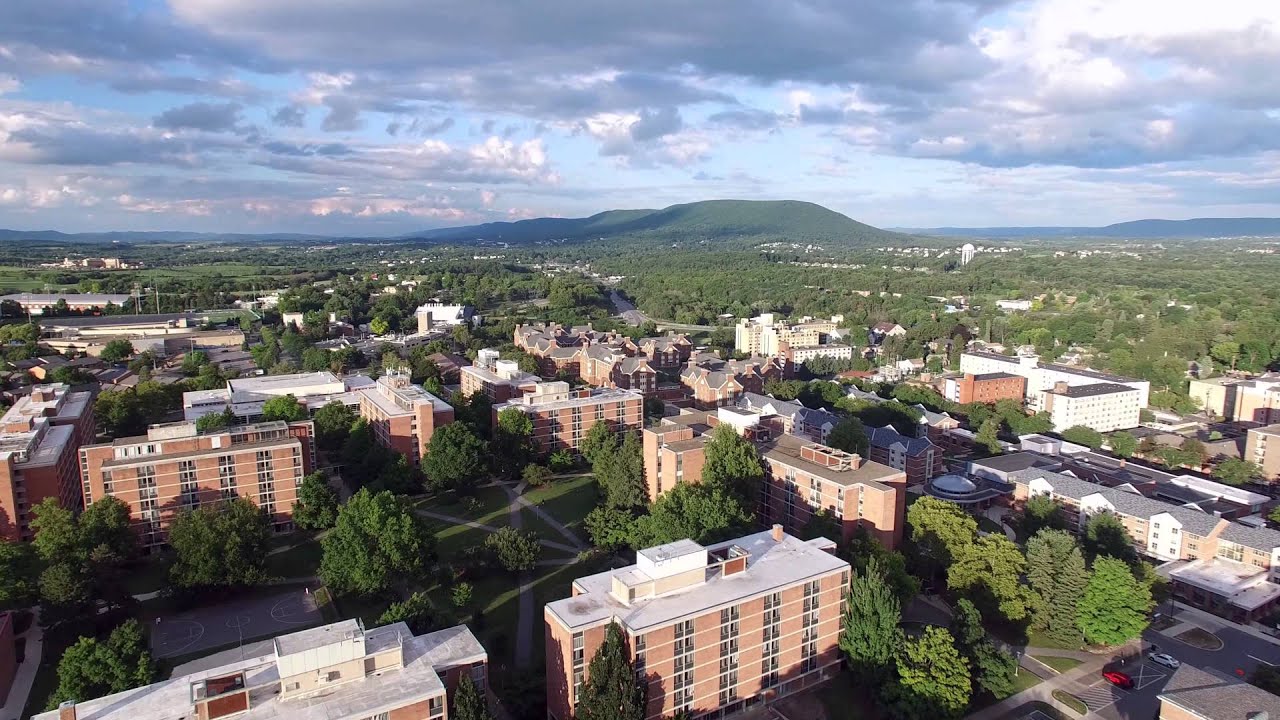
886	437
1214	696
1257	538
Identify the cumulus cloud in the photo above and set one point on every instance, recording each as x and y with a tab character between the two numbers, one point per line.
200	116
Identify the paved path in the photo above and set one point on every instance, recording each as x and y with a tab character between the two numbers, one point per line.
491	529
1069	681
997	515
26	674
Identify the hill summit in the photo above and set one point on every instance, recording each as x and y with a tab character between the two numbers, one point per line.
707	220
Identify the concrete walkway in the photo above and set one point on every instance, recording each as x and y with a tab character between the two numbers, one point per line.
996	514
1068	681
26	674
491	529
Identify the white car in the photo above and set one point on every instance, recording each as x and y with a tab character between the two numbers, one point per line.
1164	659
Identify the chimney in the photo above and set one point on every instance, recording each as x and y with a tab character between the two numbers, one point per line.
1060	387
67	710
777	537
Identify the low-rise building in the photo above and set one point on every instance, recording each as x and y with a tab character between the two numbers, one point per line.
563	416
175	467
435	317
245	396
1101	406
713	382
498	380
403	416
918	457
39	438
42	303
710	629
1202	694
339	672
1043	378
985	388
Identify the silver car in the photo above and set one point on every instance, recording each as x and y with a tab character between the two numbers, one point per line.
1164	659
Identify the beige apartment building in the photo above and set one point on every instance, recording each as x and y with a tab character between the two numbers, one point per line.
1224	566
175	467
718	628
802	477
403	415
1262	448
39	439
332	672
1255	400
563	416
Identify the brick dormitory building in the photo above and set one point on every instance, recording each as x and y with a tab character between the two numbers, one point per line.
562	416
717	628
333	672
39	437
802	477
174	467
403	415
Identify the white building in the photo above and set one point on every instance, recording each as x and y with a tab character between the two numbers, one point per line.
245	396
437	316
1014	305
1043	377
967	251
1102	406
799	355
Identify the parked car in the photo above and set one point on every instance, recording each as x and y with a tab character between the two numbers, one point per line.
1117	678
1164	659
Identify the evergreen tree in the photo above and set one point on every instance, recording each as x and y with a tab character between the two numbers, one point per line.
1057	574
621	475
611	691
1115	605
871	638
991	668
933	679
599	441
468	704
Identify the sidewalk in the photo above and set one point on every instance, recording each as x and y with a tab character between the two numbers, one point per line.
26	674
1043	692
1187	615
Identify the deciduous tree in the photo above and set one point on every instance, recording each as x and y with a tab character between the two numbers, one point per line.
1115	605
116	350
1123	444
988	436
1234	471
333	424
284	407
1104	534
19	575
515	550
703	513
417	612
732	463
376	541
220	545
456	459
870	637
849	435
317	506
992	567
92	668
933	679
1082	435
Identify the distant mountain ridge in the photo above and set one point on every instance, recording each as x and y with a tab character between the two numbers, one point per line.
177	236
1135	229
802	221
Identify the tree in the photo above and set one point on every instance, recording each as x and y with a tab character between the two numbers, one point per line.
455	459
379	326
19	575
512	445
701	512
609	527
317	506
104	530
65	586
116	350
850	436
1082	435
215	421
536	475
992	567
621	475
515	550
376	540
1123	444
57	535
417	612
933	680
92	668
284	407
1057	574
461	595
220	545
599	440
1234	471
941	529
991	668
611	691
988	436
1115	605
731	462
467	701
1041	512
333	424
398	476
870	637
1274	515
1104	534
1266	677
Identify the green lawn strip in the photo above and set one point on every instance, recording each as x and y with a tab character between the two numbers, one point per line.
1025	681
1059	664
568	501
986	524
300	561
487	506
1070	701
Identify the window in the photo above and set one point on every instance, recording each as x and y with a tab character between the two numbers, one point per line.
435	706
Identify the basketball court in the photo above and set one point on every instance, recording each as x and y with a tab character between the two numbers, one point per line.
234	622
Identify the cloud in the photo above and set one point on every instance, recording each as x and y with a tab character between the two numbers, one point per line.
200	116
290	116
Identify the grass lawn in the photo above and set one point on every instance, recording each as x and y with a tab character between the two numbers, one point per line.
453	539
1070	701
487	506
1059	664
986	524
300	561
1025	681
568	501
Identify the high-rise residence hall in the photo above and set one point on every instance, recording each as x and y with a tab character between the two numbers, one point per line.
985	388
332	672
174	467
1262	448
710	629
39	437
403	415
1044	378
562	416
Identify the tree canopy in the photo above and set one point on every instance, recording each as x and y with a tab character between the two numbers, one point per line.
224	544
376	541
1115	605
456	458
317	506
933	679
92	668
284	407
732	463
1057	574
611	690
870	637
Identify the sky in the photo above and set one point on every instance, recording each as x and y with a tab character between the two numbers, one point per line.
382	117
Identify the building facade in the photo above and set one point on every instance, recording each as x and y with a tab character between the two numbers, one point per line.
562	416
498	380
710	629
1255	400
918	457
1045	377
713	383
403	415
1262	448
985	388
39	440
175	467
339	671
1102	406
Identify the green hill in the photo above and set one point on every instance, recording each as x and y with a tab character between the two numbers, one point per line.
790	220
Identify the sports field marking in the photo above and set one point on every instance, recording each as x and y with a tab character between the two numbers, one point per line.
178	635
290	611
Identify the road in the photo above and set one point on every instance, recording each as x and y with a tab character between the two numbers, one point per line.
626	310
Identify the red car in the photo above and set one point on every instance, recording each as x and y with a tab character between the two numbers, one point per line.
1118	679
